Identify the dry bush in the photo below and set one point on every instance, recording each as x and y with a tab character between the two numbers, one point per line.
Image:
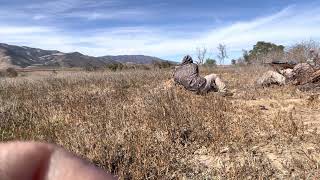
10	72
300	52
272	56
124	123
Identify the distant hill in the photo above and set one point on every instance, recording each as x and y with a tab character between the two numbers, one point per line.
24	57
136	59
16	56
73	60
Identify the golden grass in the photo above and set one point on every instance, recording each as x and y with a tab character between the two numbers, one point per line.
137	125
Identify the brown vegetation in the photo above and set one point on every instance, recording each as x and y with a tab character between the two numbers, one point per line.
9	72
138	125
300	52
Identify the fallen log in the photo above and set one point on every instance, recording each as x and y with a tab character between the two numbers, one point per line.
282	65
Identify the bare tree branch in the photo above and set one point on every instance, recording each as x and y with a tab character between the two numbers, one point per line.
201	54
222	53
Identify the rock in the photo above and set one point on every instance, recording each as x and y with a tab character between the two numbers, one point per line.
271	78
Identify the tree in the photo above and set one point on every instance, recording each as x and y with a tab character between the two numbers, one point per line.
263	49
241	61
201	54
211	62
246	56
222	53
233	62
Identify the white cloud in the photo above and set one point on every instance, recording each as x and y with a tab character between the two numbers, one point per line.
59	6
55	9
107	14
39	17
290	25
11	31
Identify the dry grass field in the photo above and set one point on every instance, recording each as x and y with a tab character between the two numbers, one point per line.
138	125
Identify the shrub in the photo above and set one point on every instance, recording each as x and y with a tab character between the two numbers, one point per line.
162	64
300	52
90	68
211	62
11	72
115	66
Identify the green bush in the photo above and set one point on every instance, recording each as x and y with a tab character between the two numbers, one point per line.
211	62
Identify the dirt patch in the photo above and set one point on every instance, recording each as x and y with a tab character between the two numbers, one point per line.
300	107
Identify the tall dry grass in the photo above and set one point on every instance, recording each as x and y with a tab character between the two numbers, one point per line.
132	124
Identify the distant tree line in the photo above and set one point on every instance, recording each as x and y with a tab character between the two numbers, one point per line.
265	52
117	66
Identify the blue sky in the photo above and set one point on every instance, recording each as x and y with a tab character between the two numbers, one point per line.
166	29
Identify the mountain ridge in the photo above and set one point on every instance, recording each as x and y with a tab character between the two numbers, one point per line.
139	59
24	57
